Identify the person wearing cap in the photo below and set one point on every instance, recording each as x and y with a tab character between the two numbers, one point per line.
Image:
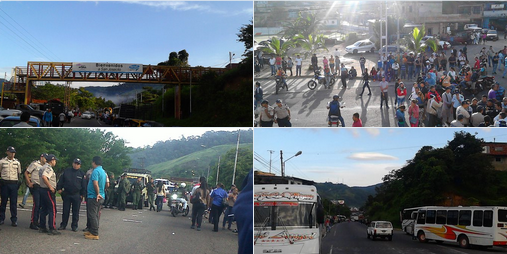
96	193
463	110
110	194
432	109
458	122
150	188
477	117
47	196
71	187
281	114
10	171
447	110
334	110
266	114
137	187
33	181
501	122
123	190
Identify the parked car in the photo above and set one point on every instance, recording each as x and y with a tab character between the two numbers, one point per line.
383	229
361	46
13	120
492	35
9	112
471	27
86	115
393	49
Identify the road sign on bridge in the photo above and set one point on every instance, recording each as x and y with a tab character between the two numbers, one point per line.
67	72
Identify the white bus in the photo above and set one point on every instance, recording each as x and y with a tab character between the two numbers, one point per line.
286	219
473	225
408	220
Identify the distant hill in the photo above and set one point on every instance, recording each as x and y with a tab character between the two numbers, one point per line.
124	92
198	161
353	196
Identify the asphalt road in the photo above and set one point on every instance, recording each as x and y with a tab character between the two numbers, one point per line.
120	232
308	107
350	237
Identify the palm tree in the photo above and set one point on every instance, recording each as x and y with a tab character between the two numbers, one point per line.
311	43
414	42
302	25
277	47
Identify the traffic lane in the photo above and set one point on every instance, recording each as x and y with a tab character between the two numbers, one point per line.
130	231
309	107
79	122
350	237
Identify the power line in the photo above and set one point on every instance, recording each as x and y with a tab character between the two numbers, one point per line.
27	42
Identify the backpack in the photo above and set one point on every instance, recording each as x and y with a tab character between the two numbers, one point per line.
334	108
196	199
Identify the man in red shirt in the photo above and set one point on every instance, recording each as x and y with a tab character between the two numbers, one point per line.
357	120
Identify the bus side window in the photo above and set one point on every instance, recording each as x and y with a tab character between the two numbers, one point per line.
477	219
488	219
421	218
465	217
430	217
452	217
441	216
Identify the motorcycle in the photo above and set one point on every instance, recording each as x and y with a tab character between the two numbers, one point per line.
178	205
318	79
334	121
486	82
279	84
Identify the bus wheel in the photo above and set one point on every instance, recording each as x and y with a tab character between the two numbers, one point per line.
422	237
463	241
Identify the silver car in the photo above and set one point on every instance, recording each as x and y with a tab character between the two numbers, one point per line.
361	46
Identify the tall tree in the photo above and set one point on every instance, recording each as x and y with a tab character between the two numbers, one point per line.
246	36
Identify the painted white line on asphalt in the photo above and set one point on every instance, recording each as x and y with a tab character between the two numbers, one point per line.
331	251
334	233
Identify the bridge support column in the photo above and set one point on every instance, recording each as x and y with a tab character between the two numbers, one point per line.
177	102
28	92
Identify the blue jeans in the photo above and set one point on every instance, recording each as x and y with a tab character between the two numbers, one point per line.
273	71
489	60
400	101
27	193
410	71
160	202
504	71
417	71
298	70
227	217
495	66
403	74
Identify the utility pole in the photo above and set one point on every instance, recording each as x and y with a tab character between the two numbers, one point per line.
281	162
236	159
270	153
218	170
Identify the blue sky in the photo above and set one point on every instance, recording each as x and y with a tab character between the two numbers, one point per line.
121	32
353	156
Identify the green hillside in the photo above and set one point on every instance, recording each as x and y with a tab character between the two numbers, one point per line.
195	164
353	196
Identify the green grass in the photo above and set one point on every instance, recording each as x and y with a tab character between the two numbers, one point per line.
198	161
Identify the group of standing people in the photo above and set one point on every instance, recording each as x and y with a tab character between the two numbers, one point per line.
41	179
48	119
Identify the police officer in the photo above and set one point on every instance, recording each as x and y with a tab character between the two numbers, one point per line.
123	190
71	187
137	187
150	188
110	195
33	182
47	196
10	170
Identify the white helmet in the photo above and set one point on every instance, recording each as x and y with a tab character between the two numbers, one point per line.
183	185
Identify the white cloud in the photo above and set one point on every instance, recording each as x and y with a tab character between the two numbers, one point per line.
371	157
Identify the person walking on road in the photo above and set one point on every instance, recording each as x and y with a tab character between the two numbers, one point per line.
10	171
96	193
217	207
150	188
202	198
71	187
137	187
366	82
123	191
299	62
344	75
258	95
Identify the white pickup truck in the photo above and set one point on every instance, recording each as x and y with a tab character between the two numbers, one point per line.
383	229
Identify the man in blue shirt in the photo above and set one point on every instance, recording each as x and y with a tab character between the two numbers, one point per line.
95	196
217	206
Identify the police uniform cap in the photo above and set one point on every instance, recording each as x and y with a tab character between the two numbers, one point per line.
264	102
77	161
11	149
51	157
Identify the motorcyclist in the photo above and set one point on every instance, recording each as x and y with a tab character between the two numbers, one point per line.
334	110
281	74
183	194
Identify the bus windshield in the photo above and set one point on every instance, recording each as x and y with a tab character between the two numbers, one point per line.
297	214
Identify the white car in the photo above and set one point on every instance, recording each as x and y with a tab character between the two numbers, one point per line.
383	229
86	115
361	46
9	112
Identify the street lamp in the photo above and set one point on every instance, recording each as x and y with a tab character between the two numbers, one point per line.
283	161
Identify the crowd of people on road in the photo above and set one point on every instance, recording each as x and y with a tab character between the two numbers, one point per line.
430	87
41	180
